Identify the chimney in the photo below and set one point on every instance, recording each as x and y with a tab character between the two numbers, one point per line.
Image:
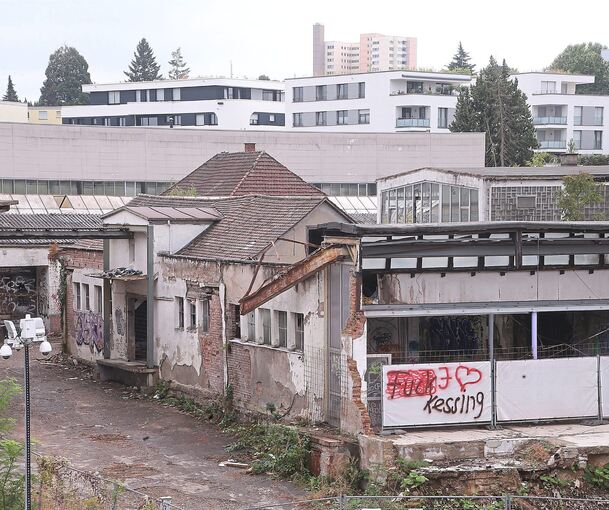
250	147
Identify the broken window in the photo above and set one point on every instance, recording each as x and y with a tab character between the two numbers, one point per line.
299	331
192	314
87	300
251	326
77	296
265	316
236	320
282	328
205	315
179	313
99	300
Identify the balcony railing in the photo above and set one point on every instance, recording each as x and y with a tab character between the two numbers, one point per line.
425	92
549	120
412	123
553	144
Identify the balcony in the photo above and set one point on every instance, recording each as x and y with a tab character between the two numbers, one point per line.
426	92
542	121
422	123
552	144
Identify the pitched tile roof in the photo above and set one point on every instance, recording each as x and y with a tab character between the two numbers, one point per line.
248	225
47	221
243	173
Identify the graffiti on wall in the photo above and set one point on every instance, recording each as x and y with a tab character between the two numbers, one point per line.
18	293
89	330
435	393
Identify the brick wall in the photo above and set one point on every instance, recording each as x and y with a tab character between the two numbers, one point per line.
239	371
77	258
212	348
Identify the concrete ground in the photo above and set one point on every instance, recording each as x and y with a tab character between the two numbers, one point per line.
100	428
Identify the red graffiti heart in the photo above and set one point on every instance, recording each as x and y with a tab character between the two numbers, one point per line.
466	375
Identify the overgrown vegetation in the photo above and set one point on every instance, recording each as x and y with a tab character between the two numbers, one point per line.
543	159
179	191
579	191
593	159
597	476
11	481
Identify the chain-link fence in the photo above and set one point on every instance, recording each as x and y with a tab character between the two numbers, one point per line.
441	503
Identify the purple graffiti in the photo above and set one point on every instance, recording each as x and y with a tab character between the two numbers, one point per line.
89	330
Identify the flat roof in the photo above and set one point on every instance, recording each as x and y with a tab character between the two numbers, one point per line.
456	76
191	82
509	172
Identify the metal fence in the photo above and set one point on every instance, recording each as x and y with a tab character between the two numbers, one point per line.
60	486
507	502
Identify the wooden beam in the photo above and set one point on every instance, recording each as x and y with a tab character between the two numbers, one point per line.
293	276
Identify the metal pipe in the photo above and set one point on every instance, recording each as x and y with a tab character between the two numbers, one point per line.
107	290
491	350
28	460
534	334
150	297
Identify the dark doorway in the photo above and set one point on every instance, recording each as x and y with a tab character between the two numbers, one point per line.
140	329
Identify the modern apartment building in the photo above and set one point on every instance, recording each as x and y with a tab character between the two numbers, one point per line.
382	102
216	103
560	115
373	52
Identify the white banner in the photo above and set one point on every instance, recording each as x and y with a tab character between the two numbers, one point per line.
605	385
546	389
436	394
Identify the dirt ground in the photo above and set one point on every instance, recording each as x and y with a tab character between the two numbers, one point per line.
100	428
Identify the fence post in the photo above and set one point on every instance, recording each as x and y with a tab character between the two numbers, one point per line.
599	388
508	502
166	502
491	349
342	502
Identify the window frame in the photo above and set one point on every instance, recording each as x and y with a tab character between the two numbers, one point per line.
205	315
179	311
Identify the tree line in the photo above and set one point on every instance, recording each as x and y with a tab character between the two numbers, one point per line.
493	104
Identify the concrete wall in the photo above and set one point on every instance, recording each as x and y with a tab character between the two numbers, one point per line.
13	112
83	153
492	287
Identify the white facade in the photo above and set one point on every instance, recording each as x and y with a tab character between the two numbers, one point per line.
212	103
394	101
560	115
11	111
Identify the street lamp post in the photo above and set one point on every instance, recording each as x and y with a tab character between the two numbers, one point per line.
32	331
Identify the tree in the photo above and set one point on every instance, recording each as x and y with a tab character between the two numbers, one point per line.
66	73
143	67
263	77
11	94
585	58
496	106
178	70
460	61
579	191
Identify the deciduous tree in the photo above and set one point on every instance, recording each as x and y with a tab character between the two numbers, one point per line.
579	191
65	75
585	58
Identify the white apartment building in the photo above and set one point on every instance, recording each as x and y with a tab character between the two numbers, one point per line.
381	102
560	115
373	52
215	103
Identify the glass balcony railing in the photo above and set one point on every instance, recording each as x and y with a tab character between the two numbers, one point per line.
412	123
549	120
552	144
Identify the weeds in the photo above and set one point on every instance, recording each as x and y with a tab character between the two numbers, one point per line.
597	476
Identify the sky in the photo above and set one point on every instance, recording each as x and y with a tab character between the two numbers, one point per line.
273	37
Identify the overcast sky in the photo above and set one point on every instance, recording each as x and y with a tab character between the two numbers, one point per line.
274	36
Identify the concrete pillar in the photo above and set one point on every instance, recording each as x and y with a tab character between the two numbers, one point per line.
534	334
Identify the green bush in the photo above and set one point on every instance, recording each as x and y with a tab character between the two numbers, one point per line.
593	160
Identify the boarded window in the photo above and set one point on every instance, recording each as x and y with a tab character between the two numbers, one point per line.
525	201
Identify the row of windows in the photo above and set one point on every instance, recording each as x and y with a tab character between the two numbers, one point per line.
192	313
99	188
341	118
175	94
429	202
335	189
194	119
83	300
284	335
321	92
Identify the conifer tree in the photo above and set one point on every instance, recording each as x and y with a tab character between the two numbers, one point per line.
460	61
11	93
496	106
178	70
143	67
